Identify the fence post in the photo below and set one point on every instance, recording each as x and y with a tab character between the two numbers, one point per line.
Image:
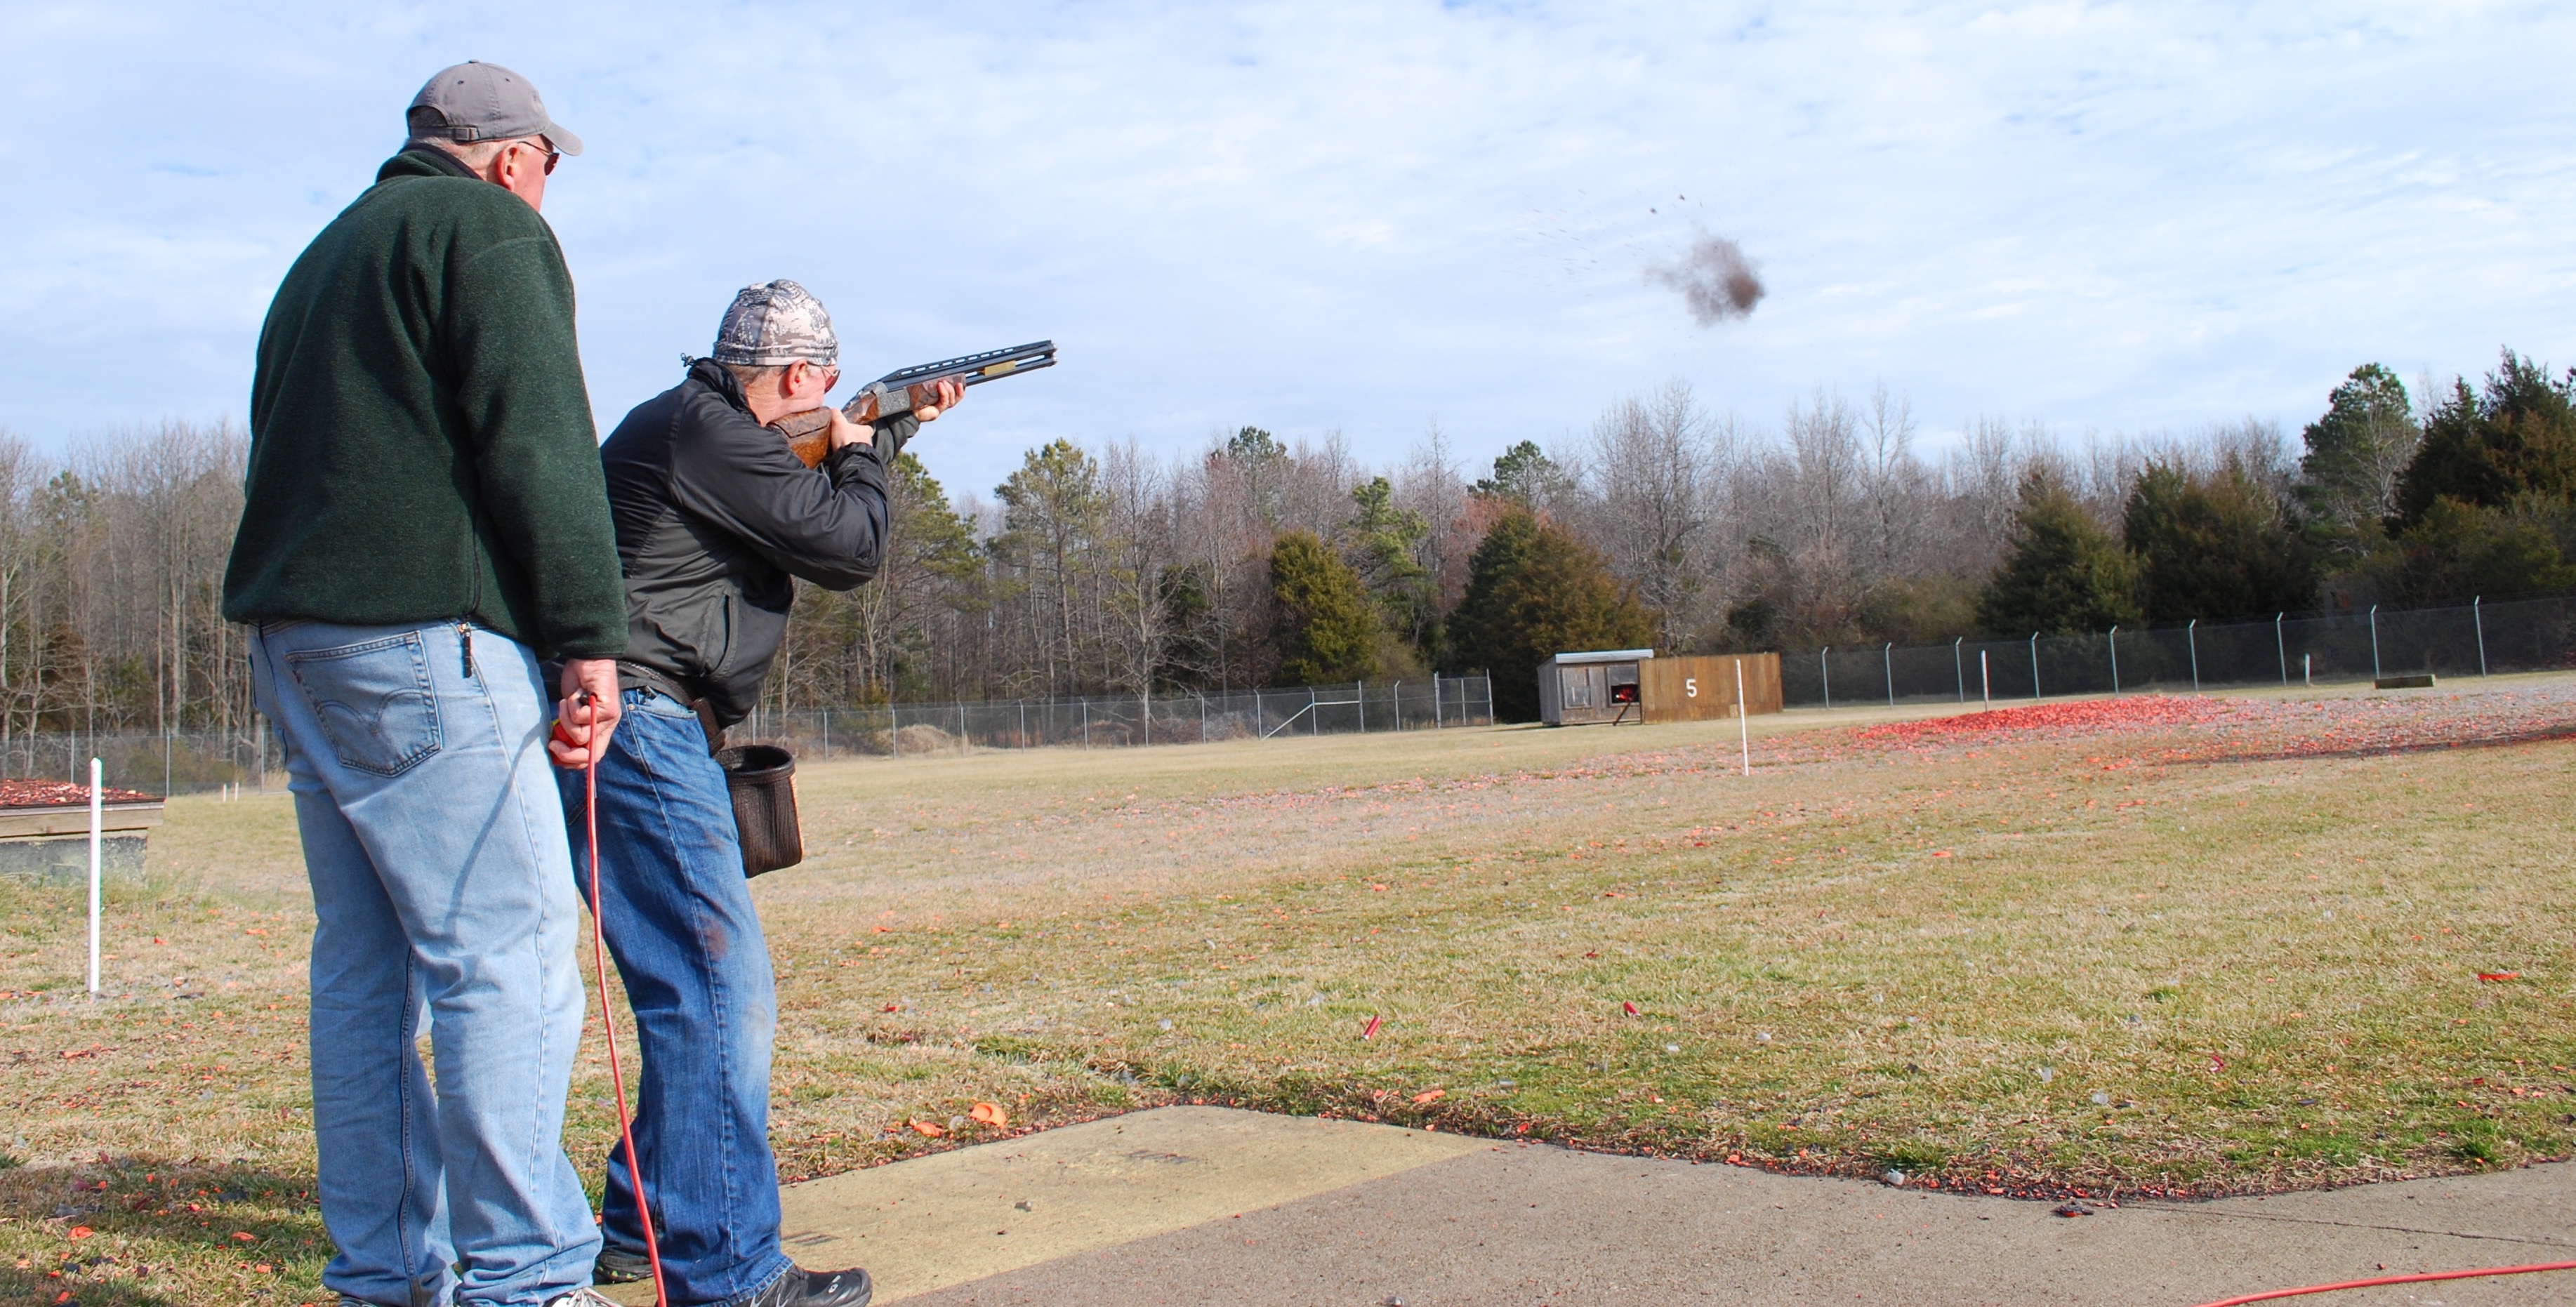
1396	693
1086	723
96	808
1202	698
1313	726
2115	658
2191	636
827	735
2479	617
1985	681
2034	667
1743	720
1959	666
1359	691
1888	655
894	728
1825	669
2281	647
1435	701
2375	673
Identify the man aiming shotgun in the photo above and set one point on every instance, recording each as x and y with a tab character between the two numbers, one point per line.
715	518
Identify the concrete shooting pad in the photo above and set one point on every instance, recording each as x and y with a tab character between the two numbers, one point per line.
1191	1205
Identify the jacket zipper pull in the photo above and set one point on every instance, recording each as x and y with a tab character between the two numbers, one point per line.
465	642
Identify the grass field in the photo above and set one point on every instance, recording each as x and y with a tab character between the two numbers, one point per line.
2171	946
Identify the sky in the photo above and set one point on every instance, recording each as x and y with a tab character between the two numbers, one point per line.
1371	218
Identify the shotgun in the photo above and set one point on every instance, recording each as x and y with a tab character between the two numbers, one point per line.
808	435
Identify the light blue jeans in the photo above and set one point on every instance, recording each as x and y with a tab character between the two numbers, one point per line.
688	943
443	887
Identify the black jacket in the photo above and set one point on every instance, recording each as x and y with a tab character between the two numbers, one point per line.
714	515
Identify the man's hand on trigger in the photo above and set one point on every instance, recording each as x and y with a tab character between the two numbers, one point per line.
932	398
588	713
846	433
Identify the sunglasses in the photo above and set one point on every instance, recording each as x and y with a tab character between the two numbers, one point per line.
553	155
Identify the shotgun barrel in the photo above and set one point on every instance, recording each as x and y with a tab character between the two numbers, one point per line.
891	394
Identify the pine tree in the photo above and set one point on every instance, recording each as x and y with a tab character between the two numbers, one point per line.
1383	542
2515	437
2355	454
2065	573
2213	546
1324	627
1535	590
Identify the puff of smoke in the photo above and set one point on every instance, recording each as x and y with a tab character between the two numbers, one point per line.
1715	279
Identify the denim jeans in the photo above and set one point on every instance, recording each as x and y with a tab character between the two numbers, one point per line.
434	840
679	920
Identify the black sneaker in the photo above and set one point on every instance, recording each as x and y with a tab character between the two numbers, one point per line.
804	1288
619	1266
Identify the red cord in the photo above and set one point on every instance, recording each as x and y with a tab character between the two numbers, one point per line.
2392	1279
608	1020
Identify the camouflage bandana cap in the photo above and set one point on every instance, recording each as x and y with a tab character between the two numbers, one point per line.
774	324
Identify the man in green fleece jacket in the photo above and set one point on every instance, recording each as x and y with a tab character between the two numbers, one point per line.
424	520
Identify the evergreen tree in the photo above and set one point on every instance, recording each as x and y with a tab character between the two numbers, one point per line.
1384	541
1535	590
2065	573
1526	476
2355	454
2214	546
1324	627
2459	551
2515	437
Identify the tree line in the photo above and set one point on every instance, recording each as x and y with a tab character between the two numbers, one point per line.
1105	568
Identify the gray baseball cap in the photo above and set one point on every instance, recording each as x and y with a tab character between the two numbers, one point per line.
476	101
773	324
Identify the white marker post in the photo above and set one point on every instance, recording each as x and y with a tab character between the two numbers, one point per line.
1985	681
1743	719
97	814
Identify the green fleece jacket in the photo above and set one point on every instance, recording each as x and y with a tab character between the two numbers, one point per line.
421	441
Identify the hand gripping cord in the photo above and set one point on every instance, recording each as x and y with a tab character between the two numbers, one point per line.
608	1019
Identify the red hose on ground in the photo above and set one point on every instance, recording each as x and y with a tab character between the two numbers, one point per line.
608	1024
2269	1294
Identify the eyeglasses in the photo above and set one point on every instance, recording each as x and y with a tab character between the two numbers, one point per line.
831	375
553	155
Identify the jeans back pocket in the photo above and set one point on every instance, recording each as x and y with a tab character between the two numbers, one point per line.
373	700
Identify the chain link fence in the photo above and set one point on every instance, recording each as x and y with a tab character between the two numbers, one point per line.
229	762
2363	645
1129	721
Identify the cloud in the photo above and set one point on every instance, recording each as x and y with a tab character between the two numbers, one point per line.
1714	278
1320	216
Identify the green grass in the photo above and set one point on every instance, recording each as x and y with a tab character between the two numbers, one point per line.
2265	962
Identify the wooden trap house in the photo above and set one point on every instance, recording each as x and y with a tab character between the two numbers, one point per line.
1610	686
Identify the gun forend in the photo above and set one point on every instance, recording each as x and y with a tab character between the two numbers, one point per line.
892	393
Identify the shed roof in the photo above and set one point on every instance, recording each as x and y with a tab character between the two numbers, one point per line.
1604	656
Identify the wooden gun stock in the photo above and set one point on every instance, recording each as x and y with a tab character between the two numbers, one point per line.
809	434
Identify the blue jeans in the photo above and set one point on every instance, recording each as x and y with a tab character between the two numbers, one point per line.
679	920
434	840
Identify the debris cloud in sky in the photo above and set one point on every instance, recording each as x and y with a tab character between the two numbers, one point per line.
1715	279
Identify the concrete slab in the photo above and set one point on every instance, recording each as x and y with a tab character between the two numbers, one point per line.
1203	1205
972	1212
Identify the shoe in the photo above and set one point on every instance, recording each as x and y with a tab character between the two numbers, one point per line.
620	1266
804	1288
579	1298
